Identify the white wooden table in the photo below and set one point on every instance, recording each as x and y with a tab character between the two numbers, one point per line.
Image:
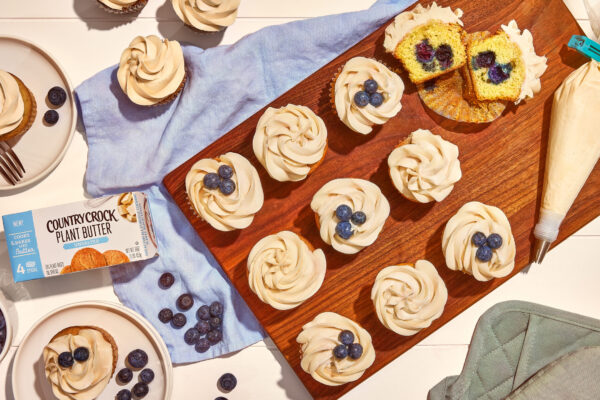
85	39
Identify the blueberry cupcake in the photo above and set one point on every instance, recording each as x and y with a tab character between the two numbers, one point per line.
225	191
366	93
17	106
206	15
478	241
122	6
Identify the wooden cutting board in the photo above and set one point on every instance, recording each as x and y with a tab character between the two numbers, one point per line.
502	163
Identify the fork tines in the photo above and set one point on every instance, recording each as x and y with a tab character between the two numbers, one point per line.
10	166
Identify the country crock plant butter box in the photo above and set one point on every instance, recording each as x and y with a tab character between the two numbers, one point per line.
80	236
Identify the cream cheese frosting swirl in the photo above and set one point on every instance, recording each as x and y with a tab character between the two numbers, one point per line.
283	271
118	4
289	141
207	15
151	69
359	195
12	106
226	212
409	298
318	339
351	79
84	380
535	65
459	250
425	168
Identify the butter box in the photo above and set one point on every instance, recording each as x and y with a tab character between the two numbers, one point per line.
80	236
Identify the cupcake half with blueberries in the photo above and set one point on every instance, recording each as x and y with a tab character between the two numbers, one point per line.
17	106
122	6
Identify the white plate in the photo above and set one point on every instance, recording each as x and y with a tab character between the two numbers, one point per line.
130	331
42	147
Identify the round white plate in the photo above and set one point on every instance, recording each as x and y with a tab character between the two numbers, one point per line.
130	331
42	147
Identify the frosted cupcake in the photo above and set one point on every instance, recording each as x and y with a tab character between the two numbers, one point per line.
425	167
152	70
366	93
122	6
206	15
290	142
17	106
478	241
335	349
225	191
284	270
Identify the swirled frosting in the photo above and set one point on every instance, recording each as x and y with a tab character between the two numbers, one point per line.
351	80
409	20
12	106
84	380
118	4
535	65
318	339
289	141
207	15
226	212
426	168
151	69
409	298
459	250
360	195
283	271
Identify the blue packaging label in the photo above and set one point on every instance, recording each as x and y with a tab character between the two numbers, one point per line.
22	246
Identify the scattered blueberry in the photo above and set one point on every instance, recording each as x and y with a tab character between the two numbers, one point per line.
344	230
494	241
227	382
65	359
429	67
211	181
485	59
81	354
203	345
355	350
216	309
165	315
215	322
343	212
137	358
340	351
191	336
220	398
359	218
484	253
214	336
497	74
51	117
57	96
179	320
376	99
147	375
227	186
203	327
2	321
166	280
444	55
346	337
478	239
361	98
203	313
125	375
370	86
140	390
424	52
185	301
124	394
225	171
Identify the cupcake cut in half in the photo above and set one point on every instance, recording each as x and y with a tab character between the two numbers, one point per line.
17	106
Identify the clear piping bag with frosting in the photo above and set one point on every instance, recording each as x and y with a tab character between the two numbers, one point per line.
573	150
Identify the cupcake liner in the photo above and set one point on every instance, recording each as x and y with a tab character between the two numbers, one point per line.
28	115
173	95
132	9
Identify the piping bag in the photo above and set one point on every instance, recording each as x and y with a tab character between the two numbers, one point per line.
573	150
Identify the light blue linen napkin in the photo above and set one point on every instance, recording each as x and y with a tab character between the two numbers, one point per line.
133	148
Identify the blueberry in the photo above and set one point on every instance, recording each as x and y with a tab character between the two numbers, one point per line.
211	181
478	239
370	86
124	394
225	171
227	382
444	55
51	117
165	315
215	322
137	358
2	321
81	354
359	218
429	67
220	398
424	52
361	99
185	301
485	59
343	212
497	74
340	351
216	309
214	336
125	375
203	345
430	85
57	96
191	336
494	241
203	327
376	99
147	375
344	230
166	280
140	390
2	336
355	350
346	337
179	320
484	253
227	186
65	359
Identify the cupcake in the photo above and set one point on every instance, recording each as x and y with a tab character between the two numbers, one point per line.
478	241
152	71
122	6
335	349
225	191
17	106
350	213
424	167
409	297
290	142
366	93
206	15
284	270
79	362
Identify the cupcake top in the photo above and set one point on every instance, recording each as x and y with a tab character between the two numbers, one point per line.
350	213
283	271
321	336
207	15
409	20
151	69
367	93
478	241
535	65
118	4
83	380
12	106
289	141
425	168
407	298
225	191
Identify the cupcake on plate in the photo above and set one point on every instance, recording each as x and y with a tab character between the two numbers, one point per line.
290	142
17	106
152	70
335	349
366	93
206	15
478	241
424	167
79	362
284	270
225	191
122	6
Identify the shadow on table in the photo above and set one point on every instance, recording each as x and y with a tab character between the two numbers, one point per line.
172	28
96	18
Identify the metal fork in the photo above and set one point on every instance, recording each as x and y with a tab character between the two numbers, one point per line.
10	166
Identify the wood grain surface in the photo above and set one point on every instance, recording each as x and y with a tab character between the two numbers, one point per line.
502	164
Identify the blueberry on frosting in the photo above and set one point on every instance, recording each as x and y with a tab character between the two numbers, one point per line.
484	253
65	359
344	229
358	218
227	186
225	171
211	180
81	354
361	98
494	241
340	351
355	350
343	212
376	99
371	86
346	337
478	239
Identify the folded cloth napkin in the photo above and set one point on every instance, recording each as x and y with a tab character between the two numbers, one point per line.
131	147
